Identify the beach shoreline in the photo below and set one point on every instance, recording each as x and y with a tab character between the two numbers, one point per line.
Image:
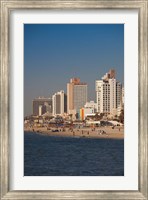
97	133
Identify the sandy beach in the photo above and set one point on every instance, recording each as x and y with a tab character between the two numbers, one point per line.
100	132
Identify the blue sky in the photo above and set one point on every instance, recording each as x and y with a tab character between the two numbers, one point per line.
54	53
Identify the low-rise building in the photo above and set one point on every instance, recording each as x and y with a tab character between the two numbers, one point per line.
86	111
41	105
91	104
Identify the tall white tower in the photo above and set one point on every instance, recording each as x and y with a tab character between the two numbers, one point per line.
108	93
58	103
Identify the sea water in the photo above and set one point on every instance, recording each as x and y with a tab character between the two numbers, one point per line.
68	156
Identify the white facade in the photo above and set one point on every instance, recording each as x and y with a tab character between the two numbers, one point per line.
119	94
99	95
108	95
91	104
112	96
103	95
88	111
58	103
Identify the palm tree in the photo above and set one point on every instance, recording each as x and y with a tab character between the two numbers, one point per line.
121	117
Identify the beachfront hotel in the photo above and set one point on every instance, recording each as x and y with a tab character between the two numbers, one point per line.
41	105
108	94
76	95
59	103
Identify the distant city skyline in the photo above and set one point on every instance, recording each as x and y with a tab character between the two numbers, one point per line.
55	53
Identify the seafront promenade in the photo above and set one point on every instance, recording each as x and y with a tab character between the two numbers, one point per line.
99	132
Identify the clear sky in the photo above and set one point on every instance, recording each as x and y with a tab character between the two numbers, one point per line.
54	53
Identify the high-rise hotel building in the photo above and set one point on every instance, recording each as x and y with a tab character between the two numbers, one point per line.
76	95
108	93
59	103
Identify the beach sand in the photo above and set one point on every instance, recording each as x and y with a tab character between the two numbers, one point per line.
116	133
